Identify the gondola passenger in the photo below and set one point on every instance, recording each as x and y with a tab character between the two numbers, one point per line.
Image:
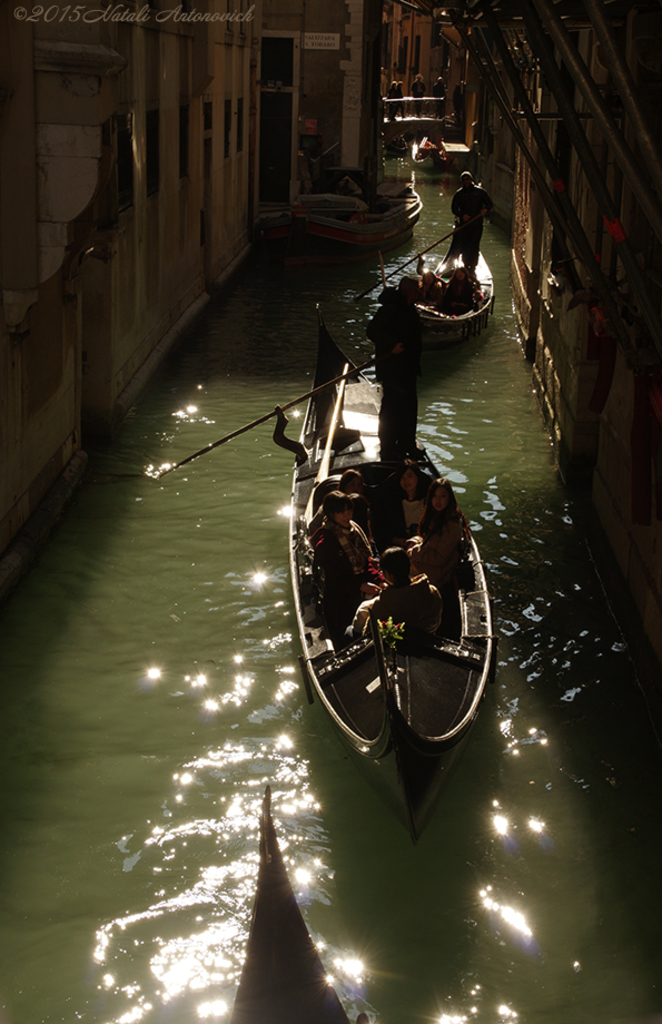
437	549
353	484
431	290
399	506
458	297
343	553
413	601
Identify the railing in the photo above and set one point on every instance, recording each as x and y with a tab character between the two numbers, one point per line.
414	106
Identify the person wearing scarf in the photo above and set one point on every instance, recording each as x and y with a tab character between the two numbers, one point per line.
343	553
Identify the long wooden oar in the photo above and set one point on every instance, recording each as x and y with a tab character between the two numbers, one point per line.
262	419
325	462
419	254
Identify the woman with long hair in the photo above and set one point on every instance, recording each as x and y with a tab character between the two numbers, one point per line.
437	548
398	506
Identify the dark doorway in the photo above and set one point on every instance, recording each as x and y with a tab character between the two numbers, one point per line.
275	147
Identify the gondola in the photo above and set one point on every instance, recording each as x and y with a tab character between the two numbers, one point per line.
437	153
283	980
405	714
330	230
440	328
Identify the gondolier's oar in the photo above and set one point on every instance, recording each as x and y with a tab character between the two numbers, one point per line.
381	265
325	462
419	254
262	419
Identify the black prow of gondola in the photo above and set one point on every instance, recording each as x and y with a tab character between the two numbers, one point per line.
283	980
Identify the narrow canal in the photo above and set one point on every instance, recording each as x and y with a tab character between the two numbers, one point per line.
150	691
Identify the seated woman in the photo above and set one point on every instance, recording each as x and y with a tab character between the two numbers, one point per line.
413	601
431	290
459	295
342	551
437	549
399	508
352	483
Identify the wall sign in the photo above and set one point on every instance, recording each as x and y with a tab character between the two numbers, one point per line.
321	40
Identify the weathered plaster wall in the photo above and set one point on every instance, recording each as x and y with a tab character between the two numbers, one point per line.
92	295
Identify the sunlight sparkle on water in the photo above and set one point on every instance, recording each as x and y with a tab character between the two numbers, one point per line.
238	658
351	968
302	876
216	1009
153	673
285	511
501	824
259	578
505	1011
511	916
535	825
451	1018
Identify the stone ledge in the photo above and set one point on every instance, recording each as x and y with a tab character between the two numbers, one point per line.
140	379
642	652
23	550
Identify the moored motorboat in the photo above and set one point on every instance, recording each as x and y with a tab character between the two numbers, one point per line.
405	714
442	328
283	980
334	229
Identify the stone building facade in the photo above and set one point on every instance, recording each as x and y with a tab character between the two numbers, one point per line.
590	312
319	93
128	148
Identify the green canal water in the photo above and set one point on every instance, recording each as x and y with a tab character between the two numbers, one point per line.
149	692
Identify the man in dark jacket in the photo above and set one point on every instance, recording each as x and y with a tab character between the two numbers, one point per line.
396	332
439	91
469	201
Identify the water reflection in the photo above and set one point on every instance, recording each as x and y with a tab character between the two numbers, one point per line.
189	940
131	798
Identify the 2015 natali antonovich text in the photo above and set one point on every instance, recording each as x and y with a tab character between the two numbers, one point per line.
118	12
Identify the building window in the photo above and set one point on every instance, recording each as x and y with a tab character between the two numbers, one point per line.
227	127
152	151
183	141
124	125
402	55
240	124
417	55
208	114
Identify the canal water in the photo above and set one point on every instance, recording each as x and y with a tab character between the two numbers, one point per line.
150	692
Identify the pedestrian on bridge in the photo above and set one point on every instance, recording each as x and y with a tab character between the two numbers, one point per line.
418	90
439	92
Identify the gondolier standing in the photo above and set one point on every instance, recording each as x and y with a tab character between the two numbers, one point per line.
395	331
469	201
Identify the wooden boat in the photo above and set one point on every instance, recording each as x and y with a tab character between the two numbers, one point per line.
439	156
283	980
442	329
398	146
405	715
333	229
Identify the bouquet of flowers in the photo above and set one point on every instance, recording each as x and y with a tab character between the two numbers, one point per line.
391	631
